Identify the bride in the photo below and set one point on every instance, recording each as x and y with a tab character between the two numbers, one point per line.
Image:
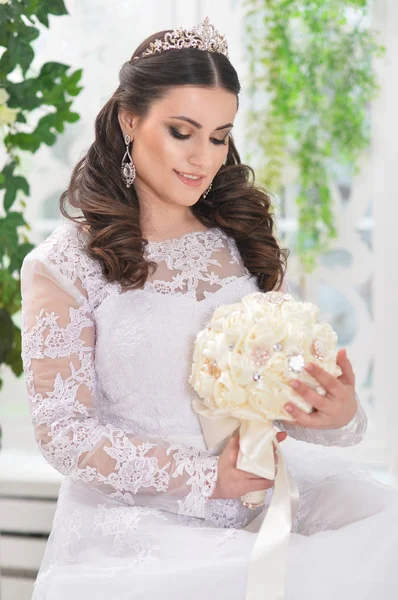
170	227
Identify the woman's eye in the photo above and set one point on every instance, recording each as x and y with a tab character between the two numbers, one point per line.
177	134
224	141
180	136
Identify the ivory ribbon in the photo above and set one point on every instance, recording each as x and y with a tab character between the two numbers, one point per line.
267	568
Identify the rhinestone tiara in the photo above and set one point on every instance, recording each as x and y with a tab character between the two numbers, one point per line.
202	37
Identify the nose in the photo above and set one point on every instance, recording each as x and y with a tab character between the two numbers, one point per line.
201	157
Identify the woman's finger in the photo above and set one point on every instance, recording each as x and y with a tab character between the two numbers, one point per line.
261	484
321	403
347	377
252	477
330	383
315	420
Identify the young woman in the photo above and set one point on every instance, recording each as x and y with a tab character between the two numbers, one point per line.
171	226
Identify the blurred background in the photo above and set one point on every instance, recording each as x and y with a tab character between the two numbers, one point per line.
318	122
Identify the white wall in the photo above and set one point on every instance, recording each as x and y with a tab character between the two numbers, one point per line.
385	191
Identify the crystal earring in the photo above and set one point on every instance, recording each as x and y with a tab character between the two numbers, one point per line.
128	167
207	191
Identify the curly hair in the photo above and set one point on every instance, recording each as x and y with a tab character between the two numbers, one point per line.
110	212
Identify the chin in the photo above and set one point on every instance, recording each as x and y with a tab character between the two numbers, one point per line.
186	201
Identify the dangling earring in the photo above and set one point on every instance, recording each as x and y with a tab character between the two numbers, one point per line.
128	167
207	191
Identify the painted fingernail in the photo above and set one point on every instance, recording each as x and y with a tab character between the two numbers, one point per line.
289	408
294	384
309	368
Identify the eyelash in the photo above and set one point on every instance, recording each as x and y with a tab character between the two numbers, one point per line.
179	136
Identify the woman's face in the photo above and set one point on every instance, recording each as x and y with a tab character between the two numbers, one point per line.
185	133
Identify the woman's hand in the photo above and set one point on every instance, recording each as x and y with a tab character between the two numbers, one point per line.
333	410
233	483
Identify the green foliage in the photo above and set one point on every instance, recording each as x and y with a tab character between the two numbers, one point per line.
42	105
311	80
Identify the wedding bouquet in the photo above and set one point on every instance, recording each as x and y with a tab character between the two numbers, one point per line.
242	364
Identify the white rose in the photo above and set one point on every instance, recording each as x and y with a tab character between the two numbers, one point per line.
228	395
220	314
240	366
236	322
210	357
202	383
268	400
231	320
216	350
303	312
263	334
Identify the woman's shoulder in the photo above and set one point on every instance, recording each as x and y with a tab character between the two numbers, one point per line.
64	251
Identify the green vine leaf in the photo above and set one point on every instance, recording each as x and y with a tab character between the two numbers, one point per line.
8	231
14	354
18	256
6	334
50	7
18	49
51	87
311	80
12	184
10	292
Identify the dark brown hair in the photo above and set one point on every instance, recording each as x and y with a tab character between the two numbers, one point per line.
111	212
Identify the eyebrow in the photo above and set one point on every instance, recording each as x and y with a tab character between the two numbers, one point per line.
198	125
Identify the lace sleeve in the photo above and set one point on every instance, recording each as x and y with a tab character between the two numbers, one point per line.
351	434
58	346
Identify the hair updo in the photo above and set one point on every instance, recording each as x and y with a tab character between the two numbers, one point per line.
111	212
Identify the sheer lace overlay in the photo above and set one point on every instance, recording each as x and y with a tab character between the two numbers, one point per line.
59	363
195	264
349	435
107	370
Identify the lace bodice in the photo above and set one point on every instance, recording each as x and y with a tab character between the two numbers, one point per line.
107	370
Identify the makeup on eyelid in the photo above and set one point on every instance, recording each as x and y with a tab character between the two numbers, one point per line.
180	136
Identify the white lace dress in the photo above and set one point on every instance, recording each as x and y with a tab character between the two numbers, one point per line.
107	375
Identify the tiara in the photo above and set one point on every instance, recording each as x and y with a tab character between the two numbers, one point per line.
202	37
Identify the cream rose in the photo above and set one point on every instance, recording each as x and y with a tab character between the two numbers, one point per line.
228	395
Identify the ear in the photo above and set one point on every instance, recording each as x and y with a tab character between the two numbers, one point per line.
126	122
